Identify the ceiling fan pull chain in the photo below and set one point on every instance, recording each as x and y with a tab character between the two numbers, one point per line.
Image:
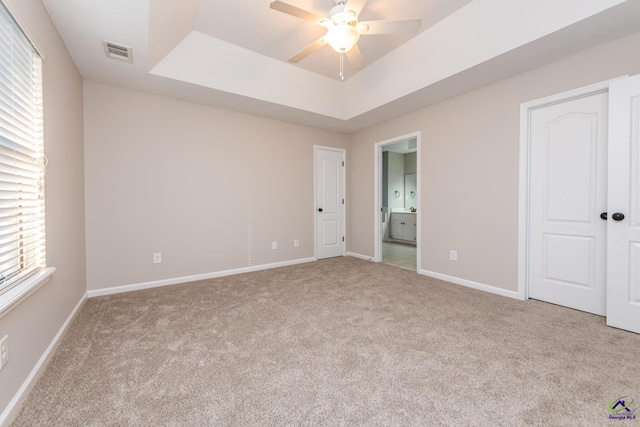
341	65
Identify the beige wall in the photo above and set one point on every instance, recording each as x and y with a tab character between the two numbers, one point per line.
208	188
469	162
32	325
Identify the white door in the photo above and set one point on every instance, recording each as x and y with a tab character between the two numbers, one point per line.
329	203
567	194
623	251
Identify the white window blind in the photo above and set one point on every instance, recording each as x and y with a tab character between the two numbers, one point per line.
22	161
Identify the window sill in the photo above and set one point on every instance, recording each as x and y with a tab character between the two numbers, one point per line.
16	295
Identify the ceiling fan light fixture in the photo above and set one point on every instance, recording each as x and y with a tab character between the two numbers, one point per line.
342	37
362	27
344	29
336	12
348	16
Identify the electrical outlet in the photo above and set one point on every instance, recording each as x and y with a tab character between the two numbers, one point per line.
157	258
453	255
274	245
4	351
296	243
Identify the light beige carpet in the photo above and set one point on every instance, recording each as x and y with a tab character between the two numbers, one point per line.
335	342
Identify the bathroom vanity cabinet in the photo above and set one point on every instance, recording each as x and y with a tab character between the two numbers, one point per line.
403	226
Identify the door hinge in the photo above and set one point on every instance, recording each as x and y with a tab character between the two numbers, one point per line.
343	201
342	163
343	238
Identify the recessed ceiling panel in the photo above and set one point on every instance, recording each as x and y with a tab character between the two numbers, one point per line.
255	26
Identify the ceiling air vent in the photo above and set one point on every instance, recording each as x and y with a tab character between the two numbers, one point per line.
117	52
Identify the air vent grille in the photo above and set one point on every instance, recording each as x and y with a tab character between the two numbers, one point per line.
117	52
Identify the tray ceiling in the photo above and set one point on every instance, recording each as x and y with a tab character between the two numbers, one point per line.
234	54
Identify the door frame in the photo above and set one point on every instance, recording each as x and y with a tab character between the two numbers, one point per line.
377	198
524	179
343	217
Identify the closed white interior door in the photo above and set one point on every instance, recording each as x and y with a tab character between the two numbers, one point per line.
329	203
567	194
623	252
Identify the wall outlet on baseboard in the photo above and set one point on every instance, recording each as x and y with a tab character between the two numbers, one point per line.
453	255
157	258
296	243
274	245
4	351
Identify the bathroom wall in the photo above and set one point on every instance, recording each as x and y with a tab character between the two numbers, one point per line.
410	163
410	167
396	180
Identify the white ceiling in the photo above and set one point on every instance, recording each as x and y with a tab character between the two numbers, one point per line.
233	54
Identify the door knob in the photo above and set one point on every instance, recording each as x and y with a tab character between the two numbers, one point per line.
617	216
603	215
320	210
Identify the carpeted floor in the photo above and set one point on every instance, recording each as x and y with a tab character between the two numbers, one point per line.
335	342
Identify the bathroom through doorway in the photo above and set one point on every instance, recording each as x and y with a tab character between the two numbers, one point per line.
397	217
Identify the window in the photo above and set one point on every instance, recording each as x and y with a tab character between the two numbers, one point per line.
22	161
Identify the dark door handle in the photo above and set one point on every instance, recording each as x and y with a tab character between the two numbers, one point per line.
603	215
320	210
617	216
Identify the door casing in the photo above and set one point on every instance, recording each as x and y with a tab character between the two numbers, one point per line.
377	198
524	179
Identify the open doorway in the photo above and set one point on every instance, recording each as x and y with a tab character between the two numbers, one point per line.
397	181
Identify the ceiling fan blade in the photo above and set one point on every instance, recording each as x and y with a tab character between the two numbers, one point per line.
295	11
404	26
355	5
308	50
355	58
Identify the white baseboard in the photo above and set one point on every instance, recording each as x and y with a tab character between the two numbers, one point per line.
12	409
473	285
185	279
355	255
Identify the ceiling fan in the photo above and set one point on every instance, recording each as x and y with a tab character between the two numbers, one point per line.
344	29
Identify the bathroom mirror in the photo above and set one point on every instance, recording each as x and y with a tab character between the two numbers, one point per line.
410	191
